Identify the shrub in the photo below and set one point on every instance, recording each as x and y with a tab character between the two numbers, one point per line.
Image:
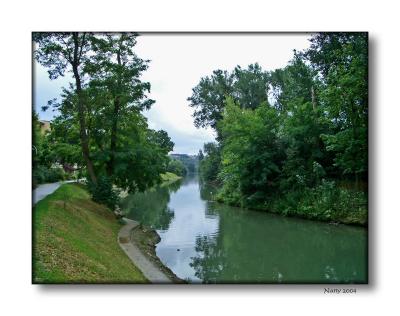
326	202
177	167
103	192
42	174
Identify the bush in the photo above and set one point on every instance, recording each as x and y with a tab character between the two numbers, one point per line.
42	174
103	192
326	202
177	167
209	166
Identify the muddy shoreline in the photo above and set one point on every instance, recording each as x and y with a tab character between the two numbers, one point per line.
146	239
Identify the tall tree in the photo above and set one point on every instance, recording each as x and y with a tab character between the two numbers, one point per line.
251	153
248	88
342	62
295	90
208	98
105	103
61	52
209	166
294	84
115	70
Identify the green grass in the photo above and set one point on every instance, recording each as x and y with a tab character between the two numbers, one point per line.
75	241
169	177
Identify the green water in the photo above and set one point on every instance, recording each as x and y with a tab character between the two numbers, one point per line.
204	241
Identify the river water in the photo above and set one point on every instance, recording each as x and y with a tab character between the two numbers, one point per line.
207	242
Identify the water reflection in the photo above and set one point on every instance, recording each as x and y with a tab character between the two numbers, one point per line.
151	207
203	241
258	247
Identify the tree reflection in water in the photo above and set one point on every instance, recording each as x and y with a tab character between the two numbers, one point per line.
151	207
254	247
214	243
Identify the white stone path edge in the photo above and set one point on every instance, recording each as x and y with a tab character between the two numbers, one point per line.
148	268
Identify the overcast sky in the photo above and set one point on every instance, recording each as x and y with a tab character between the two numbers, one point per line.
177	64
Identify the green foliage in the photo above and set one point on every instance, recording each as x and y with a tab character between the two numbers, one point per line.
168	178
210	165
326	202
78	244
295	84
287	156
251	153
342	61
248	87
141	159
100	124
151	207
190	162
103	192
351	153
43	158
177	167
42	174
304	148
41	149
65	142
208	98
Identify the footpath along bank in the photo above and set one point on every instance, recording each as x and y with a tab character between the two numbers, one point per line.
74	241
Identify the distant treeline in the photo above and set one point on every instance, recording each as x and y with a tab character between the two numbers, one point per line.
182	164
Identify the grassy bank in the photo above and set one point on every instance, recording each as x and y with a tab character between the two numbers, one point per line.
169	177
75	241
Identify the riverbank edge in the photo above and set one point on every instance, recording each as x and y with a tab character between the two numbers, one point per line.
348	221
295	215
141	251
146	246
309	218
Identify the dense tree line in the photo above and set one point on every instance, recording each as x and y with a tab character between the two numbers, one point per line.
177	167
100	124
190	162
292	140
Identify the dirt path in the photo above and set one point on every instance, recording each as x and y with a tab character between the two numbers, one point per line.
149	270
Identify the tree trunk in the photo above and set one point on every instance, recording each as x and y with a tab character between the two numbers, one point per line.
314	104
81	112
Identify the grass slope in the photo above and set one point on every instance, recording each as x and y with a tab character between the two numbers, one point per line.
76	241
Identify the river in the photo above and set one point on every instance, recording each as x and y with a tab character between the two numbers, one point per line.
207	242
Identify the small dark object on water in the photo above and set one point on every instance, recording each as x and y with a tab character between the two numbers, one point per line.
178	249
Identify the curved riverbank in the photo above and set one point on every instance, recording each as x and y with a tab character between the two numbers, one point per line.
207	242
338	206
359	218
138	243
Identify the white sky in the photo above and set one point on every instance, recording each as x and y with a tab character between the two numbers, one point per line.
178	61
